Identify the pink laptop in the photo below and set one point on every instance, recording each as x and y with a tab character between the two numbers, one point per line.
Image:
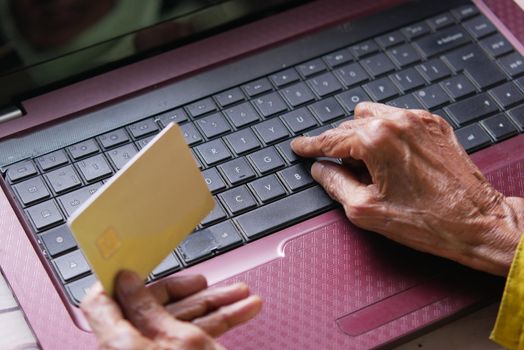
85	85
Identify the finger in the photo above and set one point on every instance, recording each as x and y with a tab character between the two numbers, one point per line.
335	143
371	109
107	322
339	183
177	287
227	317
140	307
209	300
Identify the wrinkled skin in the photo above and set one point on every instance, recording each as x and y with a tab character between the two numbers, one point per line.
405	176
176	313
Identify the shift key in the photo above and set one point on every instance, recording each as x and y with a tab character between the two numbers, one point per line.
472	108
283	212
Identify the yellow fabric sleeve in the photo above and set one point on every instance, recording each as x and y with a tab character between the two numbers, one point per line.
509	327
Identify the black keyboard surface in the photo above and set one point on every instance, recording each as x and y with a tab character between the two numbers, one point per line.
455	64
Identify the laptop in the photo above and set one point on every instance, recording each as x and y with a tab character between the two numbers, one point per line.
86	85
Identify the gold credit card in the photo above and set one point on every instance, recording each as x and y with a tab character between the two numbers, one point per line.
144	211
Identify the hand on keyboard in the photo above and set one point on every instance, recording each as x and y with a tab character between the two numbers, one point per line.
176	313
405	175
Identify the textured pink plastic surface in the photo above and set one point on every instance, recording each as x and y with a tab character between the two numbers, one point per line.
307	281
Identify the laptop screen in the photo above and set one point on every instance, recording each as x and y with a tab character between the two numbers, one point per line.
48	44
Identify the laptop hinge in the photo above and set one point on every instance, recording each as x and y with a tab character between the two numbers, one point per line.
10	113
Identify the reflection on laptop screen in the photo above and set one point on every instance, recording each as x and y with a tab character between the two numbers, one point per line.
50	42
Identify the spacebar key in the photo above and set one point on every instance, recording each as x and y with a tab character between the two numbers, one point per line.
284	212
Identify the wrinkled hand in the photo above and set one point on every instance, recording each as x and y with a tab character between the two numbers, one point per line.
405	175
176	313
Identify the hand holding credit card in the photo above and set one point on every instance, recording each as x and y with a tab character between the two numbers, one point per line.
144	211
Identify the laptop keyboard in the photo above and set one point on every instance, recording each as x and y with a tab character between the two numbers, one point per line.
455	64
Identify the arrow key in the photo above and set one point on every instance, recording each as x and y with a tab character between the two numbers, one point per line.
500	127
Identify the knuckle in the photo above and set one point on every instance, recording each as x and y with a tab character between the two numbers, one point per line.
382	131
328	141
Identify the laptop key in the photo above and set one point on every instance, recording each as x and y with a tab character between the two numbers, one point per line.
237	171
32	190
513	64
52	160
298	94
415	30
312	67
285	77
191	134
338	57
406	101
229	97
196	109
479	27
63	179
267	188
441	41
381	89
266	160
94	168
113	138
327	110
213	152
496	45
21	170
168	265
299	120
45	214
507	94
284	212
441	21
143	128
464	12
378	64
213	180
203	243
121	155
364	48
325	84
318	131
213	125
517	114
243	141
458	86
296	177
499	126
473	137
390	39
432	96
404	55
352	74
408	79
143	142
71	265
175	116
478	66
350	99
83	149
58	241
238	199
434	70
270	104
73	200
271	130
217	214
242	115
78	289
472	108
285	150
257	87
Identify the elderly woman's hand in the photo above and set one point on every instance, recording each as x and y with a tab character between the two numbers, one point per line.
404	175
176	313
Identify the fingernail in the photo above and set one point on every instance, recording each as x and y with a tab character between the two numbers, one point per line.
128	282
317	166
